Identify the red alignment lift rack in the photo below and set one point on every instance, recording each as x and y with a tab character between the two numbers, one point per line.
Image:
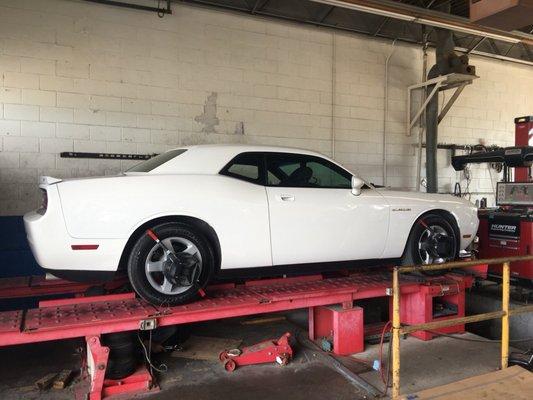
71	318
330	302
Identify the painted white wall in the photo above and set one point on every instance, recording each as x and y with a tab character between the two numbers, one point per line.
86	77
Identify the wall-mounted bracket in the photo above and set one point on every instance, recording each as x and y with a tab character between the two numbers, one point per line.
444	82
106	156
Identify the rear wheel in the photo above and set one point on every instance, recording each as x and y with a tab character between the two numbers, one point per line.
433	240
172	271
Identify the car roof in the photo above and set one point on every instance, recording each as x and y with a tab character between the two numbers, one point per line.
211	158
240	148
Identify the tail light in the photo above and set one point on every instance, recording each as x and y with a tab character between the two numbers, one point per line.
44	202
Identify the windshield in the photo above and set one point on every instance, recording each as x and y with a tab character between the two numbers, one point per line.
153	163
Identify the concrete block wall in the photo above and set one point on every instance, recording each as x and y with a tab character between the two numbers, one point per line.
87	77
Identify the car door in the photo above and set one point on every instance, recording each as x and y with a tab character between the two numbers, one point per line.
315	217
244	235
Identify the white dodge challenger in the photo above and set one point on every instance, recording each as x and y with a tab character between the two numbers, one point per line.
178	219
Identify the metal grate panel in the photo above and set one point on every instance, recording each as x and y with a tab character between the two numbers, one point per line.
79	315
10	321
105	316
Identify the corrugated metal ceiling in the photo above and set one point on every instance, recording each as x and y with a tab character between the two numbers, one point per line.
314	13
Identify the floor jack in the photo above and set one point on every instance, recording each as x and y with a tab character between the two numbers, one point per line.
278	351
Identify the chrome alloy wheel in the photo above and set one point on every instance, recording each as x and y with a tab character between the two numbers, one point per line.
435	245
164	272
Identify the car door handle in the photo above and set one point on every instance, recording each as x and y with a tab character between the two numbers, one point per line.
286	197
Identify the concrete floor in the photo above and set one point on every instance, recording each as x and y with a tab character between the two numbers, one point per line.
437	362
21	366
424	365
302	379
488	299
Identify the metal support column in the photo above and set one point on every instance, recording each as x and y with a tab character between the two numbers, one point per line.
506	277
396	334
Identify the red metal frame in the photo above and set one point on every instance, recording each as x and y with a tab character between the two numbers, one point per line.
279	351
35	286
523	137
102	388
85	299
343	326
417	308
103	314
91	317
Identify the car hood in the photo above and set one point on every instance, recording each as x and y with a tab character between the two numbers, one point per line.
412	196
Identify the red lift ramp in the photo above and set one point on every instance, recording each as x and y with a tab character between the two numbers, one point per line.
330	302
78	317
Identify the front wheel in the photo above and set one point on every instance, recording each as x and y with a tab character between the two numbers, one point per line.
433	240
173	270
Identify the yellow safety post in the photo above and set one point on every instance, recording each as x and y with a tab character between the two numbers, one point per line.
396	334
504	313
506	277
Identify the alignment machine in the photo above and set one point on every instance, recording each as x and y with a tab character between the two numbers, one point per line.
507	230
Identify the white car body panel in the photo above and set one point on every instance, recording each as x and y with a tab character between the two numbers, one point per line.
320	225
114	211
406	207
254	227
51	243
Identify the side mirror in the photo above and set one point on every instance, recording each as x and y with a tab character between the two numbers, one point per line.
357	184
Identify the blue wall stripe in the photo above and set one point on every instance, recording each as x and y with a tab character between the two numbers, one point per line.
15	254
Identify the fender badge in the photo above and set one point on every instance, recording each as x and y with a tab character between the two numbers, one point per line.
401	209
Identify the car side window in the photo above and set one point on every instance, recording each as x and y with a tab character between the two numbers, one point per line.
300	170
246	166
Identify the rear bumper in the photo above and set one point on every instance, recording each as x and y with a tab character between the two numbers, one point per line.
51	244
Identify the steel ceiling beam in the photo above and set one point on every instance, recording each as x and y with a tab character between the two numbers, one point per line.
381	26
326	14
383	23
527	51
214	3
325	20
426	17
493	46
259	4
134	6
476	45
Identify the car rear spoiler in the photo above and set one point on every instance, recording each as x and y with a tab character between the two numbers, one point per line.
510	156
47	181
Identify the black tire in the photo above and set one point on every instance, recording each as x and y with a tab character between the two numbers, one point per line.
123	351
412	252
143	246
